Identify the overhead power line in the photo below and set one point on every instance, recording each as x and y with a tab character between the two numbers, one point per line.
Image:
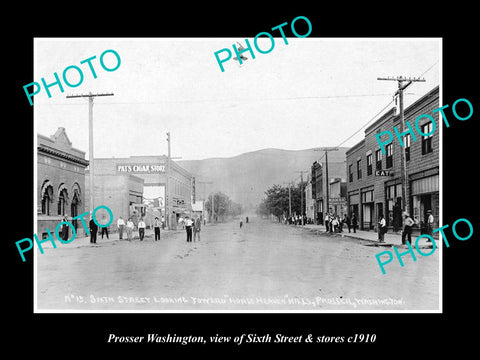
256	99
380	112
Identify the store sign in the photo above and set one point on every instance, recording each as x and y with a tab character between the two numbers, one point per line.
193	190
383	173
141	168
337	200
178	202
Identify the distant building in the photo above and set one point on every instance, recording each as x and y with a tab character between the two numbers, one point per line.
338	196
309	201
336	170
374	185
60	182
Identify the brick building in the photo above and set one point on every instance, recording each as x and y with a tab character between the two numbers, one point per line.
374	181
60	181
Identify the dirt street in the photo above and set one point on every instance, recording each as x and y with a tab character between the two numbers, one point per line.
262	266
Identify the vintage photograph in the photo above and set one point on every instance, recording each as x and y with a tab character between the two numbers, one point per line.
169	178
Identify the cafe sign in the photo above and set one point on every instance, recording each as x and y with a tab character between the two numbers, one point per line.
383	173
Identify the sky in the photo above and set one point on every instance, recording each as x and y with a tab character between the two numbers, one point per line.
310	93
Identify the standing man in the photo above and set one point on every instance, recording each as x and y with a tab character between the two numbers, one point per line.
196	228
64	235
130	226
120	227
105	231
407	229
346	220
327	222
141	229
430	221
382	226
354	223
156	228
188	227
330	221
93	230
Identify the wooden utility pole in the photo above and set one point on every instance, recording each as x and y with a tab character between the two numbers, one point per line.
168	195
403	83
301	193
90	97
327	192
168	191
289	198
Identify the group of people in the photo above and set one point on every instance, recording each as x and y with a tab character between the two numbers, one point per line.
129	227
334	223
297	220
193	226
408	224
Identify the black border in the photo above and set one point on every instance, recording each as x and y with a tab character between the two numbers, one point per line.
66	334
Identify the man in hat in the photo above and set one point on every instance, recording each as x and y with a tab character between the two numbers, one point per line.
197	226
188	227
93	228
429	223
156	227
407	229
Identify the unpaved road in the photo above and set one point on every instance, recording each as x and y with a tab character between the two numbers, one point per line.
261	267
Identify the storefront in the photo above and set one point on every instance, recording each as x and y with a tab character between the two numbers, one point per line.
425	196
393	204
368	210
354	204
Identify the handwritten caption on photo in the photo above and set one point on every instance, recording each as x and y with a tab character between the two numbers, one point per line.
317	301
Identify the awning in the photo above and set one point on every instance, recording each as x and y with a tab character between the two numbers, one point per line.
425	185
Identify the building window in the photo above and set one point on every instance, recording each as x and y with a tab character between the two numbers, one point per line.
350	173
406	143
378	160
62	198
389	158
359	169
369	164
47	198
367	196
427	140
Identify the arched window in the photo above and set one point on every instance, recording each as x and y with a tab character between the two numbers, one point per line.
47	197
75	204
62	199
